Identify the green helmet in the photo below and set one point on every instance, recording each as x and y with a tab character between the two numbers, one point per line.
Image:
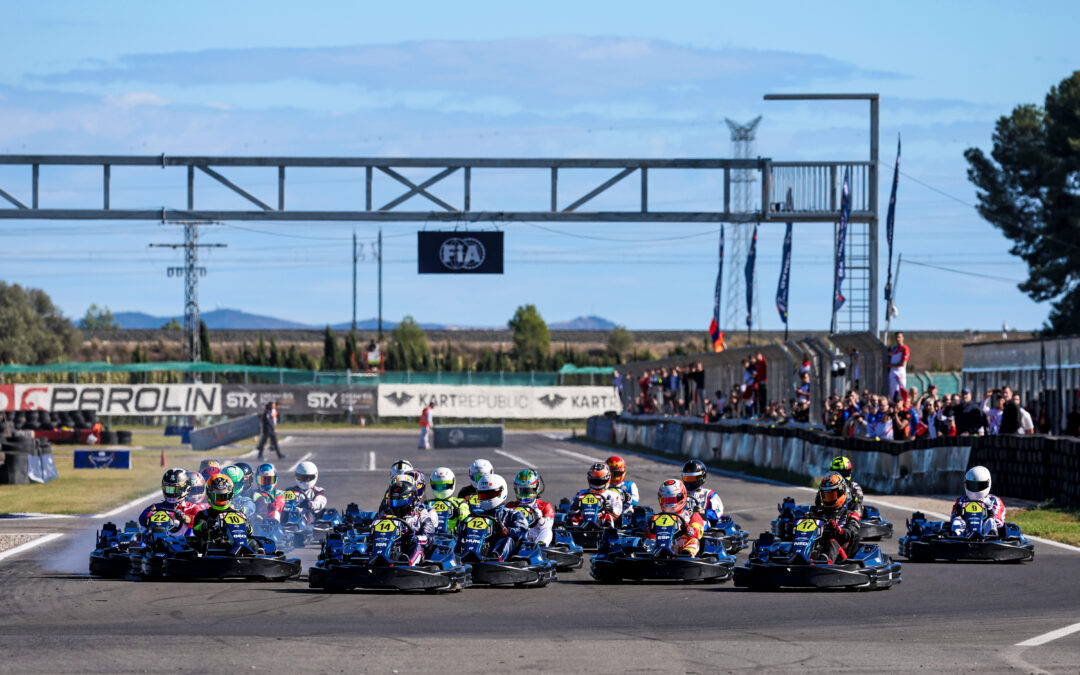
842	466
528	485
236	475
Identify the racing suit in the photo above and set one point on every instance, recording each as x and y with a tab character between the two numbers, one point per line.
183	511
455	508
708	503
209	526
422	523
629	491
612	500
995	508
840	540
693	528
269	503
541	520
316	497
510	526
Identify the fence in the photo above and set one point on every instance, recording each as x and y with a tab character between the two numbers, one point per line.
1025	467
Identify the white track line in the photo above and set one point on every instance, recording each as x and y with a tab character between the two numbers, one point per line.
21	548
1050	637
514	458
305	457
125	507
577	455
371	460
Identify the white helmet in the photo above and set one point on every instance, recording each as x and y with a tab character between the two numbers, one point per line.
977	482
478	470
399	467
442	483
306	475
490	492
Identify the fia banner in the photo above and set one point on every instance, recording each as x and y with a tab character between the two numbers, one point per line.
785	267
841	243
460	252
495	402
244	399
890	221
114	399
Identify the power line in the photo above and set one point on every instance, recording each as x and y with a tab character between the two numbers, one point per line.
968	274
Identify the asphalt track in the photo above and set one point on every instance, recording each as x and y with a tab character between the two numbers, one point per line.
944	618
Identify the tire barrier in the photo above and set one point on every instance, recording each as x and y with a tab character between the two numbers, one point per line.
26	460
1024	467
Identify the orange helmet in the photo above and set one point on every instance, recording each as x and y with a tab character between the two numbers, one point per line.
219	491
832	493
599	477
618	468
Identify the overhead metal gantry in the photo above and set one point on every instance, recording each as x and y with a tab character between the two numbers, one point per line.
815	184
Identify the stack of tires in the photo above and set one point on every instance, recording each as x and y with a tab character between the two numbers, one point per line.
26	460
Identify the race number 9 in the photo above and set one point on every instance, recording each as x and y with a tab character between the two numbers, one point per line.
974	507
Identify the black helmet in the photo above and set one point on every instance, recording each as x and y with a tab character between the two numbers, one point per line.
401	498
174	484
249	476
693	474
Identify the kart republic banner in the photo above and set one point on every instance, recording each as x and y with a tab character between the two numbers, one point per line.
495	402
244	399
114	399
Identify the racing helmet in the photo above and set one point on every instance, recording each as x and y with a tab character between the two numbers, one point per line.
403	478
196	487
236	475
478	469
249	476
175	485
400	467
528	485
832	492
490	492
693	474
306	475
219	491
420	482
442	483
672	496
266	476
842	466
209	468
401	497
977	482
599	477
618	468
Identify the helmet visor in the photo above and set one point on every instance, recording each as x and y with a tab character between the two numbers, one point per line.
398	503
670	501
218	498
617	475
596	482
693	480
488	495
442	487
173	490
267	481
477	476
977	485
305	477
526	492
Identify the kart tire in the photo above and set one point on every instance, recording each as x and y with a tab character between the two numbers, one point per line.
123	437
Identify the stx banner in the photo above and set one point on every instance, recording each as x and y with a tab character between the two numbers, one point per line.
243	399
114	399
495	402
460	252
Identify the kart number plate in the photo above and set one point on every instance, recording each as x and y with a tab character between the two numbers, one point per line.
441	506
160	517
478	524
524	510
590	500
290	496
385	526
974	507
234	519
806	526
664	520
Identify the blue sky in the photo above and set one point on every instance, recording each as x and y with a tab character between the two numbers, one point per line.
513	79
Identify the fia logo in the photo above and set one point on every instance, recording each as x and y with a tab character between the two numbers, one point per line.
462	253
398	398
552	400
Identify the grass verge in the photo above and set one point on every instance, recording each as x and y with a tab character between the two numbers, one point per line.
1060	523
746	468
93	490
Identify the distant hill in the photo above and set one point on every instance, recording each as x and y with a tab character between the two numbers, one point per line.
373	324
218	319
583	323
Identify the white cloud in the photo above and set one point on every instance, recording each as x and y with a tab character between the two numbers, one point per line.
132	99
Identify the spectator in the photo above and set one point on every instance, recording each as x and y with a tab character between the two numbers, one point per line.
749	374
897	366
761	381
1026	425
995	412
805	367
802	394
900	416
374	358
970	419
616	381
268	427
1011	421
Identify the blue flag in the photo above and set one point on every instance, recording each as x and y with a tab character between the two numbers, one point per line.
890	219
751	258
715	334
785	268
841	238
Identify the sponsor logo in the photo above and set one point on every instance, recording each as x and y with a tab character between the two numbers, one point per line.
399	398
552	400
462	253
456	437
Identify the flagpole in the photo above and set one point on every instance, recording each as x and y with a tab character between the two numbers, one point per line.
892	297
832	323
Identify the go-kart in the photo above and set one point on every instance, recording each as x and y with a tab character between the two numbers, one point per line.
526	566
929	540
871	525
724	529
802	563
327	521
163	538
231	553
562	550
355	520
110	558
586	522
375	559
298	519
640	558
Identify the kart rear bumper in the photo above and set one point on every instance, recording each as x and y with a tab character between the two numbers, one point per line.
403	578
870	530
564	557
516	572
224	567
619	567
959	549
774	575
113	564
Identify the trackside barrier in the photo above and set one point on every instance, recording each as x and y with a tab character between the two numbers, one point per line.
1025	467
